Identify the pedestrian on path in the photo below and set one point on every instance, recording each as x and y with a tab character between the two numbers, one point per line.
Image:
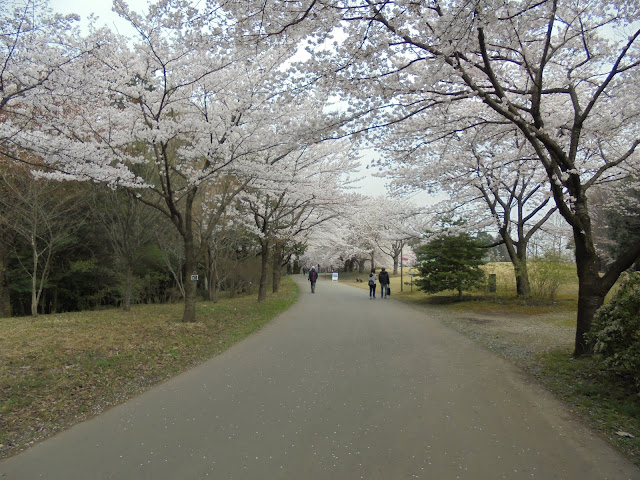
372	284
384	282
313	277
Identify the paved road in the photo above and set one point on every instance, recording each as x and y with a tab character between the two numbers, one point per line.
338	387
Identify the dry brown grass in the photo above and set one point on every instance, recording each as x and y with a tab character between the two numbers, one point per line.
56	370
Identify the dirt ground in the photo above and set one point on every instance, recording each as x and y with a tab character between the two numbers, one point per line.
515	336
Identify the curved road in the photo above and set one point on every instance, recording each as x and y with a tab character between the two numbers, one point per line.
338	387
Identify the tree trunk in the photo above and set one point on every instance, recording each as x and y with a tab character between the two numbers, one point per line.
277	269
521	271
5	300
208	279
264	270
126	305
190	290
395	264
34	282
214	284
214	288
517	252
591	290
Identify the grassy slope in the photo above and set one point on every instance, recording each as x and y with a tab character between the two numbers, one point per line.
56	370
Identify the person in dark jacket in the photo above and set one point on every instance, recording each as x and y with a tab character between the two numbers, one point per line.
383	278
313	277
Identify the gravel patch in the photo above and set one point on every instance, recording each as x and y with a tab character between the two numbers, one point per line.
519	338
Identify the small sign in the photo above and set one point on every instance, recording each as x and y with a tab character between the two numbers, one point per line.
334	277
194	277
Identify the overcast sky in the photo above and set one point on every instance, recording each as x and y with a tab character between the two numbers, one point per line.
100	8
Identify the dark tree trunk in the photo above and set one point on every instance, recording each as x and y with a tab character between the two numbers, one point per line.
214	283
126	304
209	283
264	270
190	286
214	288
277	267
521	271
5	301
591	290
517	252
592	286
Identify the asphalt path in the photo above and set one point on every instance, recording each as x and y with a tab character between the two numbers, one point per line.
337	387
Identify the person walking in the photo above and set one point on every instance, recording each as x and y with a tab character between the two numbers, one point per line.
313	277
372	284
384	282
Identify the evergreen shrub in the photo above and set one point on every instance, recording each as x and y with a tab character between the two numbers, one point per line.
615	332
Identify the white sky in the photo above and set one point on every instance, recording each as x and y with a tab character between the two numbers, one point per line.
101	8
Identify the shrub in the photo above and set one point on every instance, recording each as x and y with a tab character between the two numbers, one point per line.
450	263
615	333
547	274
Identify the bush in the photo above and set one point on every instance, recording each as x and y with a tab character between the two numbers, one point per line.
450	263
547	274
615	333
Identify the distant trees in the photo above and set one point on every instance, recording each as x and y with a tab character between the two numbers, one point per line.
129	226
622	219
100	247
44	217
492	179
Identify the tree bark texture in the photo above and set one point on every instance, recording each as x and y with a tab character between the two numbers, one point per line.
190	290
5	300
264	270
128	288
277	267
190	287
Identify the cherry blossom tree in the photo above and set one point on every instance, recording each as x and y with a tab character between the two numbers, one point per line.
300	193
349	239
37	47
564	74
491	178
184	99
396	222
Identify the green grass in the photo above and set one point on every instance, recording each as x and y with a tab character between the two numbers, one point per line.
58	369
595	393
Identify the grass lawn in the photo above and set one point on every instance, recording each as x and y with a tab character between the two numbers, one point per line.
537	335
56	370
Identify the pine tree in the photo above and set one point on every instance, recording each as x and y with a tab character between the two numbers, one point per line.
450	263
